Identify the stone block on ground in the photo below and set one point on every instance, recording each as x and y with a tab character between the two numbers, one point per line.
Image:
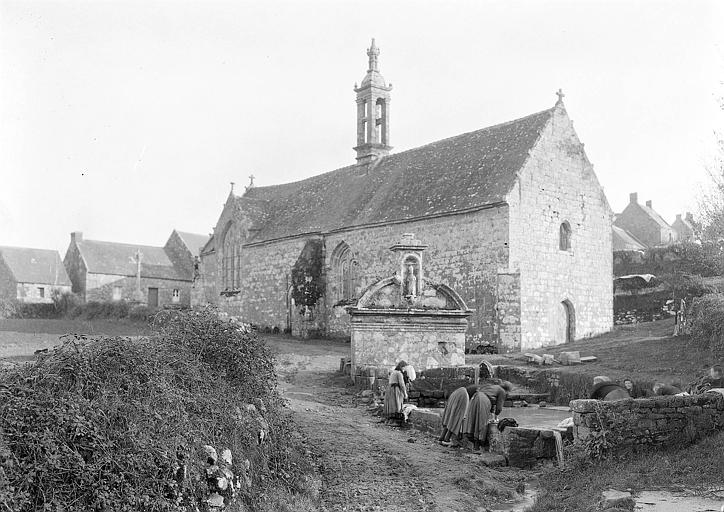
493	460
612	499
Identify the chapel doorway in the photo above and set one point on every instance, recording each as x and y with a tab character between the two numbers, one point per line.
564	323
569	317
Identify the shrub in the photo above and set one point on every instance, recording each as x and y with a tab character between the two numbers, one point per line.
65	302
113	424
7	309
706	323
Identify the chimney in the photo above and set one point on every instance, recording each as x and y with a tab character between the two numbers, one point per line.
634	197
648	203
678	217
76	236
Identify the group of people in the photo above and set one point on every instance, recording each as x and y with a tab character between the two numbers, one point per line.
468	410
468	413
606	389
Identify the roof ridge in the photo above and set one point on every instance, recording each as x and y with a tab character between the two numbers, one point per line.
119	243
464	134
394	155
28	248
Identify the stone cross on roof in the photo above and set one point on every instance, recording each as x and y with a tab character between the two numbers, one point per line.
560	95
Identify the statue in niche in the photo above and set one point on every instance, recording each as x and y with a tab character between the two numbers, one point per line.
410	282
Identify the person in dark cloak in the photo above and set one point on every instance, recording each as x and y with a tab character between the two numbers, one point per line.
605	389
453	417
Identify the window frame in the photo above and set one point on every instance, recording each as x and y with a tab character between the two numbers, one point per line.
565	237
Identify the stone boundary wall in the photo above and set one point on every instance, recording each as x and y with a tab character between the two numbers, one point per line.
624	425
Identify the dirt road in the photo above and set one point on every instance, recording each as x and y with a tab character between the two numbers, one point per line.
368	466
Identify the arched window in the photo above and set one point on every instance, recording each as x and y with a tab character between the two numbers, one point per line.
564	243
231	258
345	272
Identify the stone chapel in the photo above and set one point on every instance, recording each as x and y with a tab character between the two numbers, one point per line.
512	215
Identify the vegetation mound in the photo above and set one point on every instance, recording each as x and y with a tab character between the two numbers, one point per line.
121	425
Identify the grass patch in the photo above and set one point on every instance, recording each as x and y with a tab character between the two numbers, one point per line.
646	352
578	487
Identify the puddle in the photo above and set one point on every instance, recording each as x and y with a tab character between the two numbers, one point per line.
662	501
536	417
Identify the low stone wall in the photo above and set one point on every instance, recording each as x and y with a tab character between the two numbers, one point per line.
430	389
628	424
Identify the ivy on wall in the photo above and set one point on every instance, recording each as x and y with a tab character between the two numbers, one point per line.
308	274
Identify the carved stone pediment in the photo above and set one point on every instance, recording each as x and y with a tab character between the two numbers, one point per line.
387	294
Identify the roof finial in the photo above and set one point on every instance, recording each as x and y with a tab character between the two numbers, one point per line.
560	95
232	186
373	52
251	182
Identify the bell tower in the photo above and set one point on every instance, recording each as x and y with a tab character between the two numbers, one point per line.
373	112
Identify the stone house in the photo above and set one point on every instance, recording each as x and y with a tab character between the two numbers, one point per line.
110	271
513	215
31	275
684	227
645	224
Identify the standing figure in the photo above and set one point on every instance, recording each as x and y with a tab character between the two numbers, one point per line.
453	418
396	393
477	417
410	282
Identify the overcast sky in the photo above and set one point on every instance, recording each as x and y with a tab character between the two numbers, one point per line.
125	120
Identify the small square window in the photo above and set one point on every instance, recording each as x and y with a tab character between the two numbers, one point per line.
176	295
41	292
117	293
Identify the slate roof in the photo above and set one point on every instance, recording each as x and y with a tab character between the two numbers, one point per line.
625	241
655	216
118	259
41	266
193	241
464	172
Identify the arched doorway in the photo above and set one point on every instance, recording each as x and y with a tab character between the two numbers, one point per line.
564	326
570	320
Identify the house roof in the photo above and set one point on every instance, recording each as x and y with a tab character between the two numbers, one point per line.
193	241
654	215
625	241
464	172
41	266
119	259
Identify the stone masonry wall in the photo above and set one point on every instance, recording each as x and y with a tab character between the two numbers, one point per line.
465	252
626	424
99	288
558	185
263	298
422	340
30	292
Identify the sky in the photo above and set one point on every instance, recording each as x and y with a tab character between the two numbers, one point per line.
126	120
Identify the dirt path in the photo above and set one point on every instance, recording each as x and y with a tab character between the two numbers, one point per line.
368	466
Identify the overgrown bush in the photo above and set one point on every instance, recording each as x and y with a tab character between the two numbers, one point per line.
7	308
706	323
111	424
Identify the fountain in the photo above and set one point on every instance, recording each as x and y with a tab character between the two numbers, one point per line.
407	316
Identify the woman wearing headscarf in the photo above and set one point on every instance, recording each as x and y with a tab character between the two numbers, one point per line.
396	393
497	392
453	417
476	420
